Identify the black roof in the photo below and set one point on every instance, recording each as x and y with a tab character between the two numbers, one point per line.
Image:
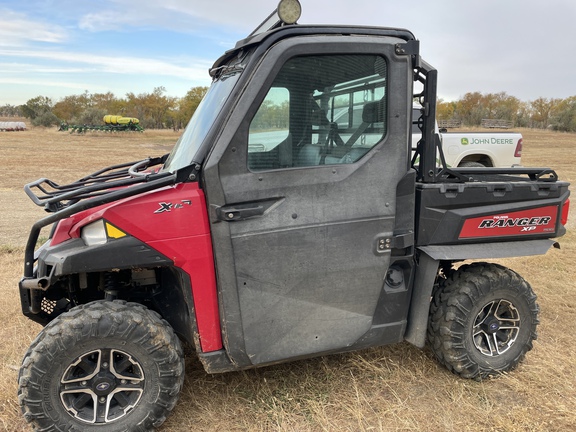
276	34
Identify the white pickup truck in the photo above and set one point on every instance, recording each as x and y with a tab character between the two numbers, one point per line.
477	149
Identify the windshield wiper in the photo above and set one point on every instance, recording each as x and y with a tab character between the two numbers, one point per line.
231	68
226	70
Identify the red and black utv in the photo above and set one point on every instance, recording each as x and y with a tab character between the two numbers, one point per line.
293	218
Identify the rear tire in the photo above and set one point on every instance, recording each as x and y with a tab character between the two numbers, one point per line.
471	164
103	366
483	320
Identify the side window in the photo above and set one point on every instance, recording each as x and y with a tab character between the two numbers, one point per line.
269	136
320	110
269	132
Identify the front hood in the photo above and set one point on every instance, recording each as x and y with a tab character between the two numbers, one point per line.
160	214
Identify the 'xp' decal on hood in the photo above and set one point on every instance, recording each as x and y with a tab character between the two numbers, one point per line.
168	206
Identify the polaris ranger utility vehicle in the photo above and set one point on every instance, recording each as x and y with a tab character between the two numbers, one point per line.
333	239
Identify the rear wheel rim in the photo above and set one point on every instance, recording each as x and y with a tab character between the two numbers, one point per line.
496	328
102	386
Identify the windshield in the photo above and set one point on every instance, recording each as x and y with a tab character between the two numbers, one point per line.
184	152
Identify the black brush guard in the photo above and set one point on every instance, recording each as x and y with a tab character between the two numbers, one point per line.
101	187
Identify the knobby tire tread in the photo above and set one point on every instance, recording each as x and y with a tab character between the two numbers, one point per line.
129	321
450	310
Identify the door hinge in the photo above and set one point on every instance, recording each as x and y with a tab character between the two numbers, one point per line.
411	48
399	241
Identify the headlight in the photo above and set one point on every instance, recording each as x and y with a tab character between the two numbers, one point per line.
99	232
94	233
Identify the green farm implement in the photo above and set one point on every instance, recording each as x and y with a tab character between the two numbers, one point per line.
112	123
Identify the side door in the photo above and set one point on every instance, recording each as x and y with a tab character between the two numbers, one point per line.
302	188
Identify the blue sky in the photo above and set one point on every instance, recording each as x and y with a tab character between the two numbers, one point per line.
59	48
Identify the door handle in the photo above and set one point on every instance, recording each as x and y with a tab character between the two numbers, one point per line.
234	213
246	210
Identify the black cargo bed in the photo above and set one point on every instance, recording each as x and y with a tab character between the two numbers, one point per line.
493	205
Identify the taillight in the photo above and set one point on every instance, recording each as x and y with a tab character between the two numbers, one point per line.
518	151
565	209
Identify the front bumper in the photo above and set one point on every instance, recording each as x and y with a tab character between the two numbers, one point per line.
73	257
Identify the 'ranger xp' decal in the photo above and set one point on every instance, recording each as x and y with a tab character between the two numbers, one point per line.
534	221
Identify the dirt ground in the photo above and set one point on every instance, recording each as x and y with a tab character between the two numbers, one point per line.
394	388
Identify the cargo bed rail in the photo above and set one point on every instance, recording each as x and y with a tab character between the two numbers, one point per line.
495	174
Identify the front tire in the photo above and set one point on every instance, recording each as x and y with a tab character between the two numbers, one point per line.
104	366
483	320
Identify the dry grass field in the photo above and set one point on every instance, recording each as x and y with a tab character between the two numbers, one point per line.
393	388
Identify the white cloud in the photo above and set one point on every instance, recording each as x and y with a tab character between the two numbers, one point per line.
192	69
190	16
52	83
17	29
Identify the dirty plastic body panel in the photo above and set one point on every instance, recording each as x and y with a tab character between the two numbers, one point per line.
306	276
165	227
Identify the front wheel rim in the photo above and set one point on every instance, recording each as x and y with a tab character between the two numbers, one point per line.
102	386
496	328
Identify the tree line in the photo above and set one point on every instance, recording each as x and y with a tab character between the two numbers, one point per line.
542	113
156	110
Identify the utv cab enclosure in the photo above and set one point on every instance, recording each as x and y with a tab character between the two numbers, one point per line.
290	220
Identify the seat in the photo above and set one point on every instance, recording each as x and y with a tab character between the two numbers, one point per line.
373	112
309	155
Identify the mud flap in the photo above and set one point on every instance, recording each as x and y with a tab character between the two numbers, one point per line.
426	272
